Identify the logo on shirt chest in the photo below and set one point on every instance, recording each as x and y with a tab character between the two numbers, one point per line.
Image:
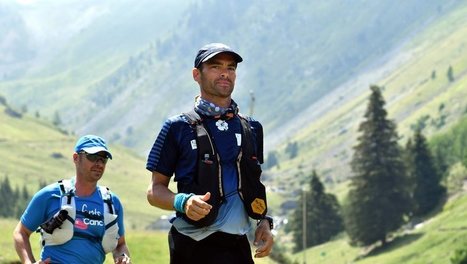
92	217
222	125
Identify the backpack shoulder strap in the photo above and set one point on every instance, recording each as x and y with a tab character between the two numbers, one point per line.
193	117
247	145
248	126
107	198
196	122
67	190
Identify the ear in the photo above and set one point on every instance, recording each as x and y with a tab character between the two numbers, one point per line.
196	74
75	157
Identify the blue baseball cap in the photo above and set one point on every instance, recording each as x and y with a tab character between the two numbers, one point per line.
210	50
92	144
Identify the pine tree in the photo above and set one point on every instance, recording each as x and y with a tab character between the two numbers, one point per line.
450	74
22	201
378	199
292	149
323	219
7	198
272	160
57	120
428	191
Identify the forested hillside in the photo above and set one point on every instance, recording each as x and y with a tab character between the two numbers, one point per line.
118	68
426	89
294	55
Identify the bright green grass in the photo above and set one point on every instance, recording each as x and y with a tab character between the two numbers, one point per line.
433	242
26	149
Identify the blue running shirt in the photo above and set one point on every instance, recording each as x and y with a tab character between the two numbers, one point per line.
89	221
175	152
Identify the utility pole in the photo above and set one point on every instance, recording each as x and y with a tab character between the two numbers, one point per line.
252	102
304	224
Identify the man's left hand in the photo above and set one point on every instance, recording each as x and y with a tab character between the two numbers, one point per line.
123	259
263	239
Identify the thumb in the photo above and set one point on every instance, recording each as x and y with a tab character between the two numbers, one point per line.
206	196
46	261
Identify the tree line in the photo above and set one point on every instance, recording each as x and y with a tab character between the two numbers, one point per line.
390	186
14	200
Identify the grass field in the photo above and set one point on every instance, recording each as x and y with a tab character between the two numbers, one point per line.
432	241
32	151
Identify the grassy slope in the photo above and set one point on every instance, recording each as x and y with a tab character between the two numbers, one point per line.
410	93
433	242
26	148
29	166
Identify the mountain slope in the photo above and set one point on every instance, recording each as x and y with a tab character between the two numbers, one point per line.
417	91
294	55
33	151
432	241
75	45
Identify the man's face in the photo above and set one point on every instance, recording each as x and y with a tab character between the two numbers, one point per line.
216	77
90	167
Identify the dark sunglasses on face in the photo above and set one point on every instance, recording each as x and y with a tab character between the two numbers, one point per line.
95	157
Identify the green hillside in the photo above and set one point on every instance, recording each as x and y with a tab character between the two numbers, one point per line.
432	241
317	75
33	151
417	92
295	54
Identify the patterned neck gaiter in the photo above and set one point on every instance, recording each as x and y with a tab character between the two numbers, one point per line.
207	108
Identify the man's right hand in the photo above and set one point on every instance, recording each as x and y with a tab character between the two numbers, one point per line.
197	207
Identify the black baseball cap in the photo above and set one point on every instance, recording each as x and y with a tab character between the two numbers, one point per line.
210	50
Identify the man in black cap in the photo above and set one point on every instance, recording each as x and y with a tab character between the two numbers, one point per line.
79	221
215	154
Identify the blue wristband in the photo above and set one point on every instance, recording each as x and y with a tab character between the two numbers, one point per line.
180	201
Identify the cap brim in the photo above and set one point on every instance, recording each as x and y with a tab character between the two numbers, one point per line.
94	150
238	58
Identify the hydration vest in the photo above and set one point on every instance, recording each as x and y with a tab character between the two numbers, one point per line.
65	232
209	173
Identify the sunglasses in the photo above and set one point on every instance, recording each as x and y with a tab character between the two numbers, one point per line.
95	157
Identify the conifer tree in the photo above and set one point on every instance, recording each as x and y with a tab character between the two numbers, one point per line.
450	74
7	196
323	218
272	160
378	199
428	191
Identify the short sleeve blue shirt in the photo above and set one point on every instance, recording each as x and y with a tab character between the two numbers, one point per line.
89	221
175	153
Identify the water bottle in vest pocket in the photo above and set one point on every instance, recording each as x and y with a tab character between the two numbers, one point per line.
59	229
110	238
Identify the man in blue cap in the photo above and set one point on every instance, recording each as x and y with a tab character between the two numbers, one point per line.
215	154
79	220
